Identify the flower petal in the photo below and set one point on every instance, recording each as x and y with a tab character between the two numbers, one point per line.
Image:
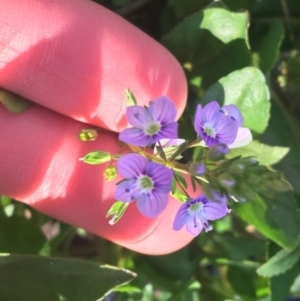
198	124
131	165
233	111
127	191
194	225
152	204
134	136
226	130
138	116
163	109
211	111
181	217
169	130
214	210
161	176
243	138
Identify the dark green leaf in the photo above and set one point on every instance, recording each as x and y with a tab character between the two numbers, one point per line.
242	281
46	278
280	133
18	234
246	89
269	51
179	177
277	218
281	262
280	285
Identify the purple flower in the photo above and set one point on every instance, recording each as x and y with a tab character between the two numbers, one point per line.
196	213
150	124
215	125
146	182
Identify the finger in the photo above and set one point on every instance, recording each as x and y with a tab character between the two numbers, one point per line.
39	165
77	58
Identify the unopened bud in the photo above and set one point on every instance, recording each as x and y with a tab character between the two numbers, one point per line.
197	169
110	173
226	180
217	152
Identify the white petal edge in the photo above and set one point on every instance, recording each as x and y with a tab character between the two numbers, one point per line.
243	138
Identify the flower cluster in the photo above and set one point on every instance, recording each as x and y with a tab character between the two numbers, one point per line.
150	176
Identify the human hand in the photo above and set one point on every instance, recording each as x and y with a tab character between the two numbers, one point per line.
74	59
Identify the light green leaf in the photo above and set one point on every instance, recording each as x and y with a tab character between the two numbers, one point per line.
247	89
56	279
277	218
280	262
130	98
210	43
265	154
179	195
97	157
116	210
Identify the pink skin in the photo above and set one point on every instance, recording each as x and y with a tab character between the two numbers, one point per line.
76	58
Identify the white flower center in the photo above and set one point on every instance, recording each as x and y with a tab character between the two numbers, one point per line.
152	128
145	183
209	130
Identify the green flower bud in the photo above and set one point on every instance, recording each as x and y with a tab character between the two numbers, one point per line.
226	180
110	173
217	152
97	157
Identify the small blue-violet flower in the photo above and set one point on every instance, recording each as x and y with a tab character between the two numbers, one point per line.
146	182
151	124
196	213
216	125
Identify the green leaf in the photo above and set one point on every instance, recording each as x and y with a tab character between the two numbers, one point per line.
242	281
210	44
280	285
97	157
280	262
279	132
265	154
179	195
179	177
247	89
277	218
20	235
116	210
184	8
269	51
88	135
46	278
130	98
14	103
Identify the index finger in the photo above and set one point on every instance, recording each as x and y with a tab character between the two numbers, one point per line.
77	58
